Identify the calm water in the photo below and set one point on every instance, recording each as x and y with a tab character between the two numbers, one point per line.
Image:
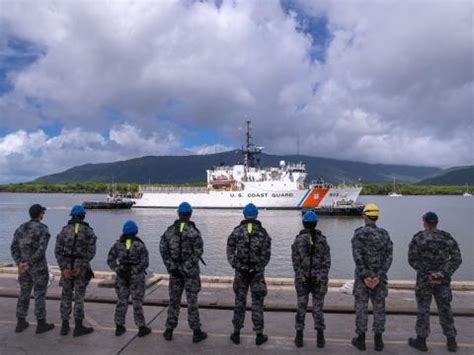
400	216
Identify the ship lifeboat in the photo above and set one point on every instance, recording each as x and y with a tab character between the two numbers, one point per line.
222	181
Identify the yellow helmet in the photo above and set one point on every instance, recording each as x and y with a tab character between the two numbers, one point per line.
371	210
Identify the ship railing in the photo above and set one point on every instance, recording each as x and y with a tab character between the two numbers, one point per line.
173	189
323	184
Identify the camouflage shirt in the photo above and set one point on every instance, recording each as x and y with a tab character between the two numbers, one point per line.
311	255
181	248
128	254
372	250
249	246
75	244
30	243
434	251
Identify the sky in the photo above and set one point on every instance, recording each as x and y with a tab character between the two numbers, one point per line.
97	81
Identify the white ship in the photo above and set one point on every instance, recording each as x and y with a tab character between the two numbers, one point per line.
280	187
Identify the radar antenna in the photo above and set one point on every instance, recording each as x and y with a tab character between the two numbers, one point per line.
250	151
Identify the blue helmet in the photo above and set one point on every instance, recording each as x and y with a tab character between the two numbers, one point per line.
185	208
250	211
78	211
310	217
130	227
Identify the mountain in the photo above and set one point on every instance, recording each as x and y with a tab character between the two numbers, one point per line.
454	176
192	168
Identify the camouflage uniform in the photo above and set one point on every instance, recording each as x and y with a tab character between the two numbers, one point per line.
432	252
372	250
248	252
311	261
29	245
75	248
128	257
181	252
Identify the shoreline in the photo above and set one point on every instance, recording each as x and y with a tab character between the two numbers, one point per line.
376	189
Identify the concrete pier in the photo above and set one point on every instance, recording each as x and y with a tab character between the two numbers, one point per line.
216	300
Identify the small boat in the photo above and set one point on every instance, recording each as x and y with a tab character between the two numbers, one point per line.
340	208
394	193
115	201
467	193
102	205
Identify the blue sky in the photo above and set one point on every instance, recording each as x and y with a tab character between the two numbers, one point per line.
16	55
314	26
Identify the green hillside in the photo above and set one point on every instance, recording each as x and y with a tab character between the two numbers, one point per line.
192	168
454	176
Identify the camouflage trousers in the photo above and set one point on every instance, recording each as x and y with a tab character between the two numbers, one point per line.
37	280
191	285
258	290
443	296
303	294
361	298
133	287
73	289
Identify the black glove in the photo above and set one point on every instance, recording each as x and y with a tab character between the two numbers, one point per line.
243	269
175	273
123	271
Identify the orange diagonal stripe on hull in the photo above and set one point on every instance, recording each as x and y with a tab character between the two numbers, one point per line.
314	198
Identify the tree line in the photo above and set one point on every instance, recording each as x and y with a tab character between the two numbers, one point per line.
97	187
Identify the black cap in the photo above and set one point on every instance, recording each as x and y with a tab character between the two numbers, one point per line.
430	217
36	210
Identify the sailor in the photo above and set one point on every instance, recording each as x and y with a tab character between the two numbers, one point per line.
75	248
435	256
181	248
128	257
248	252
28	250
311	262
372	250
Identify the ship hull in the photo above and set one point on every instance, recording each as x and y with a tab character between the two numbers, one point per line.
293	199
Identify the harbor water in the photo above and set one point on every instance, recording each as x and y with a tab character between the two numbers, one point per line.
400	216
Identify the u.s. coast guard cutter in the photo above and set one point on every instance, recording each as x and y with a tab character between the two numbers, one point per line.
280	187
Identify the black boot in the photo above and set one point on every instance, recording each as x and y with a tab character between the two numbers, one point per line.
452	345
199	335
143	331
65	328
168	334
119	330
43	327
418	343
80	330
260	339
378	342
235	337
21	325
320	341
299	339
359	342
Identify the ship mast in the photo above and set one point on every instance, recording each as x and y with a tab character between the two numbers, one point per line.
250	151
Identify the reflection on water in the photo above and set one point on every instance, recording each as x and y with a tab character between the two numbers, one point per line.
401	217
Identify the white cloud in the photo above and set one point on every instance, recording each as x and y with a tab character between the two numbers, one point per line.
209	149
396	85
26	155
